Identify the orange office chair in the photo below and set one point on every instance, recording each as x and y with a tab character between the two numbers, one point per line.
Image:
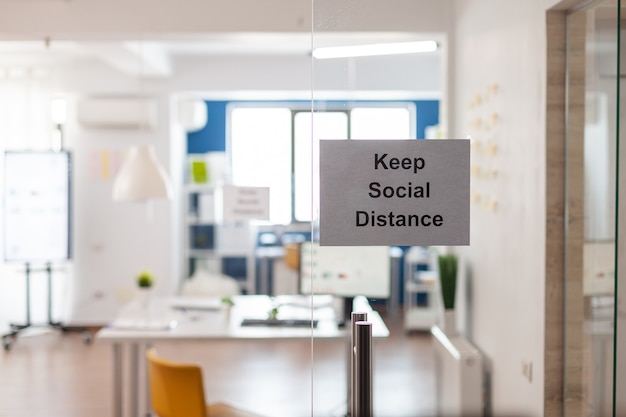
176	391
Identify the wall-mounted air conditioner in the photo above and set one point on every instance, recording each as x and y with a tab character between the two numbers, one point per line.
117	113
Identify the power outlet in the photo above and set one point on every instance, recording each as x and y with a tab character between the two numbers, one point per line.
527	370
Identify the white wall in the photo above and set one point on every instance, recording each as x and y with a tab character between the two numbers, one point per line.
503	44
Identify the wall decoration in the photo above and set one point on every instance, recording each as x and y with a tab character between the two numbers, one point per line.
104	164
484	129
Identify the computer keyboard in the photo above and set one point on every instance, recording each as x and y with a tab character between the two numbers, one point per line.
279	322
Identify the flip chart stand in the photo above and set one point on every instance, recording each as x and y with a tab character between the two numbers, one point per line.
9	338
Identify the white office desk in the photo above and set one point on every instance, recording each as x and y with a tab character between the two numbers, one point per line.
142	326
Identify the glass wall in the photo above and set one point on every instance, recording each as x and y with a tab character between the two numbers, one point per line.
384	79
593	226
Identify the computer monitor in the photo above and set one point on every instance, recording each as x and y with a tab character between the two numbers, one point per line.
345	271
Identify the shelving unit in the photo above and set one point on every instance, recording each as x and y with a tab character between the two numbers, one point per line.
199	225
204	237
421	293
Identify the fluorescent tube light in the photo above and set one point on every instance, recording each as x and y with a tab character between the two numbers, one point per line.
375	49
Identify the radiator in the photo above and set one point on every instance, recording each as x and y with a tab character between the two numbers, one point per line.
459	375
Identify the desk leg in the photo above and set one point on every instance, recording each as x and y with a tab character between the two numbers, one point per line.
264	286
117	380
134	379
147	384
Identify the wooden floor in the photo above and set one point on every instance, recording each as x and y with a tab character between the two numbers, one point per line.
56	375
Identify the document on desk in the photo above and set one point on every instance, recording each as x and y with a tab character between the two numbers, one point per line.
279	322
197	303
143	324
305	301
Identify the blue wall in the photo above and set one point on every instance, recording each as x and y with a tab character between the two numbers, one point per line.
212	138
427	113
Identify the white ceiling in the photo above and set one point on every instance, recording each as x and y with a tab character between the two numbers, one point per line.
153	57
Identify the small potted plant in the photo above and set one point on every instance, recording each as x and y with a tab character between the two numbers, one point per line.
447	279
272	314
145	281
227	306
227	301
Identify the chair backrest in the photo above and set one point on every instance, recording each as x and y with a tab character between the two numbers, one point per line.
176	389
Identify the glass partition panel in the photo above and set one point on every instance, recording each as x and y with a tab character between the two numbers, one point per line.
381	93
592	180
620	328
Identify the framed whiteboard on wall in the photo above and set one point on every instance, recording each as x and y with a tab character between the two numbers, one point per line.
37	192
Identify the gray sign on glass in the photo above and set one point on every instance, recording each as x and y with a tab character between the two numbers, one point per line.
394	192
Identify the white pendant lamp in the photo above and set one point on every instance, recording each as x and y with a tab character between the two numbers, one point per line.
141	177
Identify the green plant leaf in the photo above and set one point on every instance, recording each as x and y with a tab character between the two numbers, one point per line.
227	301
447	278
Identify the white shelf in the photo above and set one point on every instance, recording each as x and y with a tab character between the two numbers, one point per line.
199	253
419	287
420	317
196	222
417	318
199	188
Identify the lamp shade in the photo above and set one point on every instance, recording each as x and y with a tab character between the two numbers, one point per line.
141	176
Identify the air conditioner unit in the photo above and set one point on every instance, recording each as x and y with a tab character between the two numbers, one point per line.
118	113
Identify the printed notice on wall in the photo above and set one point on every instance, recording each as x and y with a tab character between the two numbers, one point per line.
394	192
246	203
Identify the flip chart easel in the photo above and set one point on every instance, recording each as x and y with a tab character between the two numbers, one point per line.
7	339
37	201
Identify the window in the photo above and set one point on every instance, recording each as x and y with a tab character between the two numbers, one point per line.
307	133
279	147
380	123
261	155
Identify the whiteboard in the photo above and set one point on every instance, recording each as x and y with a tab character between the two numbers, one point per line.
36	211
346	271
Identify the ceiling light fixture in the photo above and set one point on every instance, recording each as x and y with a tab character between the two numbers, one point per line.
375	49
